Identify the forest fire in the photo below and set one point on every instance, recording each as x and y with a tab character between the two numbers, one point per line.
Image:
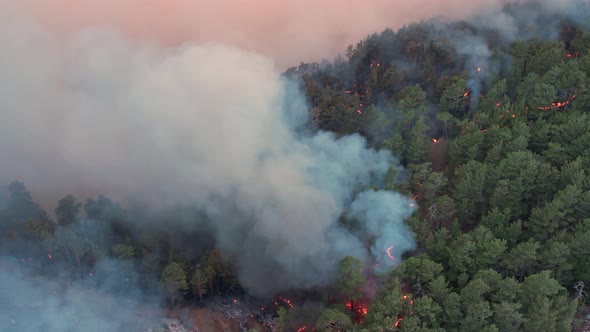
388	251
287	301
301	329
434	140
557	104
359	308
467	93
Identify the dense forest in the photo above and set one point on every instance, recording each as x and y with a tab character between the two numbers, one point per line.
496	150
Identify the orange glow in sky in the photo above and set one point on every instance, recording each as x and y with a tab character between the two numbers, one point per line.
290	31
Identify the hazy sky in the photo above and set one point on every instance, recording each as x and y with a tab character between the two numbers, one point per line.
290	31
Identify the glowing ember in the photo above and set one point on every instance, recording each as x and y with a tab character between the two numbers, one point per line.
235	301
301	329
359	111
478	69
388	251
262	308
498	104
359	309
434	140
557	104
287	301
49	255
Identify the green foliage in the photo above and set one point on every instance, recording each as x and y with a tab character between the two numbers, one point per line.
351	280
333	320
503	198
201	280
173	280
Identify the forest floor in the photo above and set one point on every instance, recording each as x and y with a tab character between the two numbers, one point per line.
216	316
582	320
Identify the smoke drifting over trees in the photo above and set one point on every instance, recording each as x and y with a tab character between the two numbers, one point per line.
208	125
158	105
289	31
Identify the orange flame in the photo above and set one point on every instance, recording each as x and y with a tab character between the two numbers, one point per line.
557	104
287	301
434	140
388	251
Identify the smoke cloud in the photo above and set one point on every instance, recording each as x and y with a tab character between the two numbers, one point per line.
289	31
131	99
38	304
207	125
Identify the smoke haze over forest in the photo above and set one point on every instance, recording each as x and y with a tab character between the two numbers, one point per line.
288	31
181	103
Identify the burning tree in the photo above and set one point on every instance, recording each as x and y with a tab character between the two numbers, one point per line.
351	280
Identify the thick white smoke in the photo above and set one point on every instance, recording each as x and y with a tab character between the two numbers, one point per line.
38	304
209	125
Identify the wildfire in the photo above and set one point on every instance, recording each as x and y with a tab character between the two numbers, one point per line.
414	198
388	251
467	93
359	111
301	329
557	104
287	301
434	140
360	309
478	69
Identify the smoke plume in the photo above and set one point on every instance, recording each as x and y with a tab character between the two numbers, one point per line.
207	125
38	304
289	31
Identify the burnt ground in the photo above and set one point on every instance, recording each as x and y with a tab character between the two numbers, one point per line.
221	315
582	320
